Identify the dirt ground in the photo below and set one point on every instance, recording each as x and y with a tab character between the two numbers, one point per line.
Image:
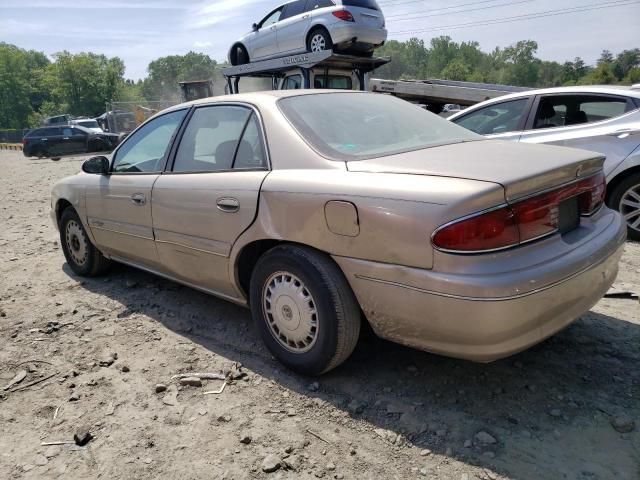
389	412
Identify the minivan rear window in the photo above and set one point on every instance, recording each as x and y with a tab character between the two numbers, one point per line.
371	4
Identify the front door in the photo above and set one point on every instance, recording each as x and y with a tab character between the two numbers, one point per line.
119	205
210	196
264	43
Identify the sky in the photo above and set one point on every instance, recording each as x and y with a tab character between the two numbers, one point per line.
139	31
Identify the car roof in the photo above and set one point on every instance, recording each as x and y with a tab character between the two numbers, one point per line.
267	96
602	89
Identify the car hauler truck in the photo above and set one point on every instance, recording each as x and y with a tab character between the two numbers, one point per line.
324	69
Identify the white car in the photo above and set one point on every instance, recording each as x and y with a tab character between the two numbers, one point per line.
604	119
300	26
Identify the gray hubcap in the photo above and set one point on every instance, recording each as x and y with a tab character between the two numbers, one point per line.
630	207
76	242
318	43
290	312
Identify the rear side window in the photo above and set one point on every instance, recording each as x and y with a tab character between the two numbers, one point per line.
493	119
36	133
566	110
371	4
314	4
293	9
220	138
51	132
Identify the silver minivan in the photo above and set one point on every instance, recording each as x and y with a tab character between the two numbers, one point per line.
354	26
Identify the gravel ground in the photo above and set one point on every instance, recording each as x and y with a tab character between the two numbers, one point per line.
557	411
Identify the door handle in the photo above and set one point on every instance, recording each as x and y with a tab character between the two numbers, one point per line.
273	27
65	138
624	133
306	16
138	199
228	205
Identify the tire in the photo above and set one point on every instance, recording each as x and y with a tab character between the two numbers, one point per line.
291	284
319	40
623	199
82	256
242	56
38	152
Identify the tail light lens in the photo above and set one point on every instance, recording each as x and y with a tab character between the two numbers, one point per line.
344	15
24	142
520	222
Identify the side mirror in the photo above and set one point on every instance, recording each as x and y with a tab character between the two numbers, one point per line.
254	27
96	165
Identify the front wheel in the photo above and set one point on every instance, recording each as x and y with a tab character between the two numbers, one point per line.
304	309
82	256
626	199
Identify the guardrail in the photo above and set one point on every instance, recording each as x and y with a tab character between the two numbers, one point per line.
10	146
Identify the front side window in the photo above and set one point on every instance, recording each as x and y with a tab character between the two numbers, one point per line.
294	82
498	118
145	150
220	138
338	82
361	125
270	19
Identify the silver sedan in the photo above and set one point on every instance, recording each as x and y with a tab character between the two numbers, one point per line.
602	119
318	209
313	26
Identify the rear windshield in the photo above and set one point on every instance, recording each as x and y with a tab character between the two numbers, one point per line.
358	126
372	4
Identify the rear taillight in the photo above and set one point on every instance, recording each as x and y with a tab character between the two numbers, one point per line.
344	15
24	142
520	222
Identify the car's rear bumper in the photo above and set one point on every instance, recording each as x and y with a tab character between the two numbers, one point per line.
346	34
410	306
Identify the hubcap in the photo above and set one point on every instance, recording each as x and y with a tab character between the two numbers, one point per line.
76	242
290	312
630	207
318	43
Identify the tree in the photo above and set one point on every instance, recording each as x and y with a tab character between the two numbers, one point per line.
605	57
166	72
456	70
521	65
15	108
84	82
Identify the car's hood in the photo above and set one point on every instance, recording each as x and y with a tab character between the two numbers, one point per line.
521	169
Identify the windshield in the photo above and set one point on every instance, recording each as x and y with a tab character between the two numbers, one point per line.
367	125
88	124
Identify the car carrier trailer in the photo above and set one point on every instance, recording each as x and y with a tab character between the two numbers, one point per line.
306	65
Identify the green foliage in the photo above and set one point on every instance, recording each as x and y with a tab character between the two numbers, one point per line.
166	72
513	65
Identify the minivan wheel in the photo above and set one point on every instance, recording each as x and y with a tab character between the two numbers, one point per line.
626	199
83	258
319	41
304	309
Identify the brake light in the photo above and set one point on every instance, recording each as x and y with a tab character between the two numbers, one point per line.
522	221
24	142
344	15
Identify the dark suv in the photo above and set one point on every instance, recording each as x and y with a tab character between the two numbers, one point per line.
66	140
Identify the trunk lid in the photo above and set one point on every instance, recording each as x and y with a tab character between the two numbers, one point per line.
521	169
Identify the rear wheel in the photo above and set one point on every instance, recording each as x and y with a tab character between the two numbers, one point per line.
304	309
319	40
82	256
240	55
626	199
38	152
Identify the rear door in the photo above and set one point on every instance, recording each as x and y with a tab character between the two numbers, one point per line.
607	124
210	195
292	27
78	140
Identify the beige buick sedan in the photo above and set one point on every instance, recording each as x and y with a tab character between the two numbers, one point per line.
319	209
